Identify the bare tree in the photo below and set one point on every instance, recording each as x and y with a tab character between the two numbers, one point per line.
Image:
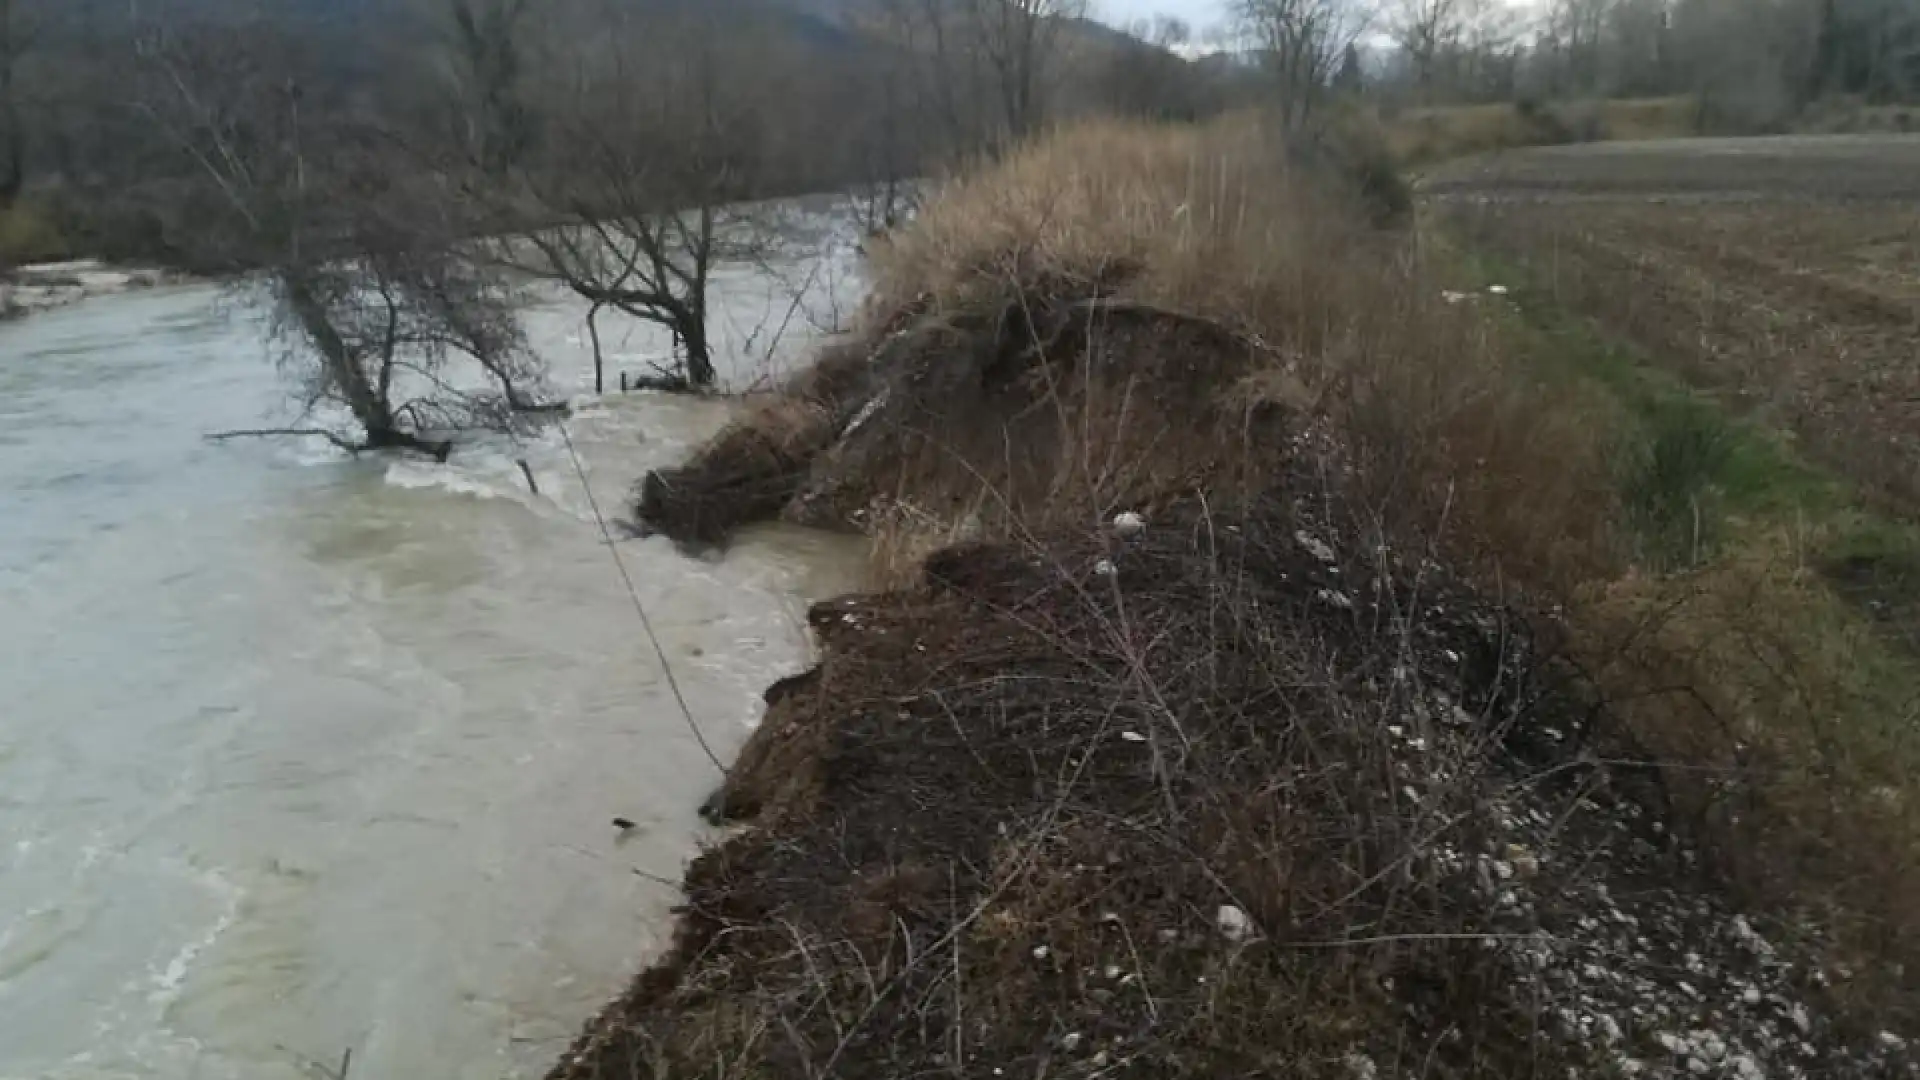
1019	40
659	134
373	301
1426	31
1300	44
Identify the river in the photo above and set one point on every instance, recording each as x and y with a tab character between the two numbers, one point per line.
302	754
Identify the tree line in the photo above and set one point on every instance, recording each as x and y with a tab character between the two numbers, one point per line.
1752	63
394	173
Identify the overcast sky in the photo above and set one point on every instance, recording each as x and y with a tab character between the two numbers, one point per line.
1202	14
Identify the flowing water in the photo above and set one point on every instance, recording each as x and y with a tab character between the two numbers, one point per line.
302	754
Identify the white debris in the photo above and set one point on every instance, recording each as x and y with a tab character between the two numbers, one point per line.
1361	1067
1112	971
1339	600
1744	933
1105	568
1129	524
865	414
1315	546
1041	952
1132	736
1891	1041
1070	1041
1497	290
1798	1014
1236	924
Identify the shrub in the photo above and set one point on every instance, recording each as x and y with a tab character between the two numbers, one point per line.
1669	481
29	234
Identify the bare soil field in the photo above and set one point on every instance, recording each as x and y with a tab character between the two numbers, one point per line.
1782	275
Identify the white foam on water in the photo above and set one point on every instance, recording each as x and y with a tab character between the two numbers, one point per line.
167	981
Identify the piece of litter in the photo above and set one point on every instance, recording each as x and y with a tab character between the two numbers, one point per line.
1041	952
1132	736
1497	290
1104	568
1129	524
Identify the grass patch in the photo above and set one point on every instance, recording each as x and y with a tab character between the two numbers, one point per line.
1764	631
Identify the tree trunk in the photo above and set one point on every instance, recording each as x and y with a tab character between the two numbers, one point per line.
367	404
692	331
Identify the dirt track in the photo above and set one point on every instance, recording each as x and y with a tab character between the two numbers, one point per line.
1781	273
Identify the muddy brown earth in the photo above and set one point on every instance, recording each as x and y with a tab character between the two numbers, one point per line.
1781	274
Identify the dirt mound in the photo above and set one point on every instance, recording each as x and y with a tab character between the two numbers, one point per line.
1236	796
1057	399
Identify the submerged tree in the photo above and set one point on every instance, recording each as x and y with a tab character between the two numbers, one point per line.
656	134
1300	45
355	243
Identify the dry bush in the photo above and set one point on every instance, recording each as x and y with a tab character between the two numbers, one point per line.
1792	734
1451	131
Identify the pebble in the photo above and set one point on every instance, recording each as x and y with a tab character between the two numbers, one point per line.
1234	923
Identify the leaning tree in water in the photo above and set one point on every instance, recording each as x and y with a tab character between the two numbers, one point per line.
652	136
378	306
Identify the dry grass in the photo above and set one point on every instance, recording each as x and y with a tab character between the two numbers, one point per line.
1437	133
997	824
1343	321
1125	317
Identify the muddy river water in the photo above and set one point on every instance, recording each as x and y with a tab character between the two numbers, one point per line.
302	754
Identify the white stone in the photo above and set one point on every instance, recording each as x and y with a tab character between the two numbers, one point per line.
1236	924
1315	546
1129	524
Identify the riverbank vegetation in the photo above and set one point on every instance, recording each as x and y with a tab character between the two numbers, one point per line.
1291	656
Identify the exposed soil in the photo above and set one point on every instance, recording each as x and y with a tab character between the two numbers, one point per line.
1245	797
938	407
